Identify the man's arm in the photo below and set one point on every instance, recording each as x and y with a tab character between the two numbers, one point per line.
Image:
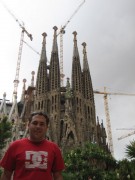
6	175
57	175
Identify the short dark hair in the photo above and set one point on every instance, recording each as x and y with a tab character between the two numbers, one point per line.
41	114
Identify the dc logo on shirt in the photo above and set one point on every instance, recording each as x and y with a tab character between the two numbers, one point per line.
36	159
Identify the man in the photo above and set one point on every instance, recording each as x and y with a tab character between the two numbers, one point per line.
33	158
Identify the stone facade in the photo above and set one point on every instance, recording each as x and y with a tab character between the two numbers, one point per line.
71	108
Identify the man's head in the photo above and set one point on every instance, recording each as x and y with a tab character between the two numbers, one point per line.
38	125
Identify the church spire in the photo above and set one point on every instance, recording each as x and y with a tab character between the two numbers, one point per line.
55	46
43	51
32	79
54	74
87	82
68	93
3	108
42	79
85	61
76	67
23	90
75	51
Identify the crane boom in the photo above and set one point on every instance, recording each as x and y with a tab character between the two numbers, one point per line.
112	93
68	21
19	23
14	111
9	11
108	122
16	81
61	32
31	48
124	136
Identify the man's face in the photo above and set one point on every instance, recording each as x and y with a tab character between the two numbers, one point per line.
37	128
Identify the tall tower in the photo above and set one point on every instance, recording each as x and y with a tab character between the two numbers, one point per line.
42	79
71	108
89	105
78	107
54	91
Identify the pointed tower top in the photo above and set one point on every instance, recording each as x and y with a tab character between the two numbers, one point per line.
68	83
68	89
32	79
24	81
43	52
102	124
84	45
3	108
85	61
75	53
55	28
23	90
97	120
44	34
55	47
75	34
4	95
75	39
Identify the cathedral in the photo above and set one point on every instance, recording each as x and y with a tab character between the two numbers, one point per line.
71	108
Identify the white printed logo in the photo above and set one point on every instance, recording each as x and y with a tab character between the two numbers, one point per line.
36	159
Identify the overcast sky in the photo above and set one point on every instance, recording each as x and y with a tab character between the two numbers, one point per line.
108	28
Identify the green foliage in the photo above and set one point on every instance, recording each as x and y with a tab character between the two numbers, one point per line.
5	132
126	168
1	171
130	150
89	161
92	161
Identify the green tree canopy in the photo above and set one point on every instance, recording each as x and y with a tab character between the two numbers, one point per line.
126	169
89	161
130	150
5	131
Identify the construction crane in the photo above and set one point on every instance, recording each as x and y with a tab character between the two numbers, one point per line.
31	48
108	122
16	81
126	135
61	32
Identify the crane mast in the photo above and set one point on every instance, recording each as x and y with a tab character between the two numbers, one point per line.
16	81
61	57
14	111
61	32
108	122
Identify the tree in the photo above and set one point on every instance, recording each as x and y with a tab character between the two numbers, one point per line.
130	150
126	169
5	134
5	131
89	161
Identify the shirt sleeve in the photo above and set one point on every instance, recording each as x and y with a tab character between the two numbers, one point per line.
58	164
8	160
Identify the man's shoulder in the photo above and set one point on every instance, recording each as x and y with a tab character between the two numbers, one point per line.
19	142
52	144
